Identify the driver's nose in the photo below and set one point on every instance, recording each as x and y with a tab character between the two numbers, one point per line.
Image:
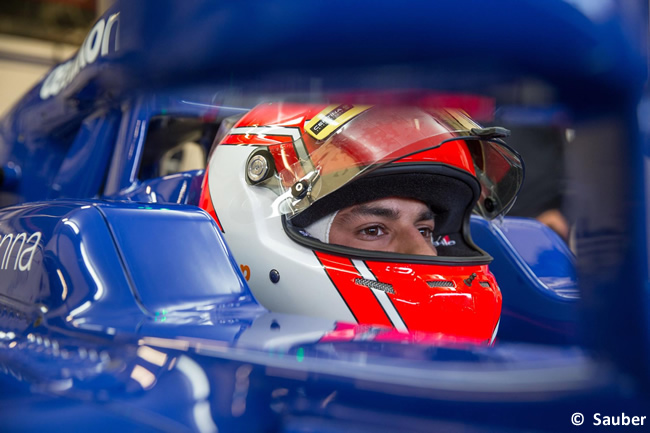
411	241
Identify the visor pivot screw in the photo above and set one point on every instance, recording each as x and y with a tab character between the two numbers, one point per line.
489	205
274	276
259	166
470	279
299	189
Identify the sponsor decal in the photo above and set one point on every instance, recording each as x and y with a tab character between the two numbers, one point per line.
443	241
246	271
21	247
331	118
97	43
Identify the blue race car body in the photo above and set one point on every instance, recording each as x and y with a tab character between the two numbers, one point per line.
122	307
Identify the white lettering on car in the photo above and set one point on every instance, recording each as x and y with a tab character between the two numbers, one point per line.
24	254
96	44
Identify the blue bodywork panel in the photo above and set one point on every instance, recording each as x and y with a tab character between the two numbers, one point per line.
121	306
536	273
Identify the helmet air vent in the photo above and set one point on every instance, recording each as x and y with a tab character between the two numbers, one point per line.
441	283
384	287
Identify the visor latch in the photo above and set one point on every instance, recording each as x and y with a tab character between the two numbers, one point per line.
299	189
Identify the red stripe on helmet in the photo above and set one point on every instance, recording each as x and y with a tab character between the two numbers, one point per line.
205	201
360	300
255	139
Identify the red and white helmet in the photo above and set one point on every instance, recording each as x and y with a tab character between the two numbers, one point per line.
283	167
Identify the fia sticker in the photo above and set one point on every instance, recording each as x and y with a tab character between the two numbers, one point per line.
246	271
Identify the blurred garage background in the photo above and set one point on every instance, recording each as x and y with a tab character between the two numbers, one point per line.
37	34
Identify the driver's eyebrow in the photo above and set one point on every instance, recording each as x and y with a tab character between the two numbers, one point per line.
362	210
380	211
427	215
375	210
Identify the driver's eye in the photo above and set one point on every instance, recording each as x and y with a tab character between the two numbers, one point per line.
426	232
372	231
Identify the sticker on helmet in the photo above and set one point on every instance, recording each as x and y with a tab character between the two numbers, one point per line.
246	271
332	118
444	241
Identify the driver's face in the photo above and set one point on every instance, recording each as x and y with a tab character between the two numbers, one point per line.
392	224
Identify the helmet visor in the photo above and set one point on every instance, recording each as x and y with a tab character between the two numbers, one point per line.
344	142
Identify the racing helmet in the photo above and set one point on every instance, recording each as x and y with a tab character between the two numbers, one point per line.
278	176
